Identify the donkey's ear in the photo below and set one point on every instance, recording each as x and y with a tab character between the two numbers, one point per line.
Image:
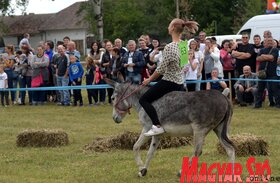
110	82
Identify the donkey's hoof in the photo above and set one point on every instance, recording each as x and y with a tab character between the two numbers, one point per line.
142	172
179	173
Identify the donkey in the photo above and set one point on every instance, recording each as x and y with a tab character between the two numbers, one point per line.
180	114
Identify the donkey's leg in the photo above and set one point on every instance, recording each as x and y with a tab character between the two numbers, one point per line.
153	146
136	148
198	140
227	145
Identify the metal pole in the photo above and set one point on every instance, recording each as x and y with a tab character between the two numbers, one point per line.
230	87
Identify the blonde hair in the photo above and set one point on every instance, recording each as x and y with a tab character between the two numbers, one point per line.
89	61
11	47
193	52
182	25
194	41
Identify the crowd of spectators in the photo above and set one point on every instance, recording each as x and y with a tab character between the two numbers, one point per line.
59	64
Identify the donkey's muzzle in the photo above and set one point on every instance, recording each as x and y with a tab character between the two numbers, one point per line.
117	119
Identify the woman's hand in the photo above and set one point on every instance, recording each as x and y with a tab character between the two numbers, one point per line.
146	81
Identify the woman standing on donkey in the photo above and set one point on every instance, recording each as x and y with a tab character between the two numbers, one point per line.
171	70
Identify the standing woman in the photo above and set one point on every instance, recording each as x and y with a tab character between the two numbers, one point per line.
228	64
190	71
96	53
26	75
200	57
9	61
172	79
106	67
40	63
90	80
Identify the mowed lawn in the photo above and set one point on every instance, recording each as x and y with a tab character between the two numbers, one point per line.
83	124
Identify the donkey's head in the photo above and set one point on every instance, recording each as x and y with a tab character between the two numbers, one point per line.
121	103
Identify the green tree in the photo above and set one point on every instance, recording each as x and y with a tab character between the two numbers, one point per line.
228	15
244	10
7	7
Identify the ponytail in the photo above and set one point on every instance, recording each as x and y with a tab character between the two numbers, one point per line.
181	25
191	26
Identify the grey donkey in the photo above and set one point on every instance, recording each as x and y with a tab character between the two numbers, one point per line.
180	114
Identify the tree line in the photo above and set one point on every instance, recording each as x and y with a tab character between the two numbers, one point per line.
128	19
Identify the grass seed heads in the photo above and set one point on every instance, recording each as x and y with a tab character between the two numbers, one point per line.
42	138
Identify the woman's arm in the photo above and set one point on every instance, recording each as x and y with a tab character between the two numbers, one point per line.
208	86
194	64
215	54
223	84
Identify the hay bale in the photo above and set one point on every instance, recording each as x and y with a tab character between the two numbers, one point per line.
247	145
42	138
126	141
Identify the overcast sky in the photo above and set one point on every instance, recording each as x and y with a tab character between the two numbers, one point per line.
47	6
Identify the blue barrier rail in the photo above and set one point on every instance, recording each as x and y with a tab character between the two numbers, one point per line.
104	86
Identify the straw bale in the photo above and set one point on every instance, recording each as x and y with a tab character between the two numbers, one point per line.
42	138
247	145
126	140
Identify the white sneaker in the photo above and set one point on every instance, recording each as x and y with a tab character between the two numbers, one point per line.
154	131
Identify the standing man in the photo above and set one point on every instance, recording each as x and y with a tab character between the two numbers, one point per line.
66	40
257	47
133	62
71	50
118	44
49	45
268	57
25	41
202	39
62	75
244	55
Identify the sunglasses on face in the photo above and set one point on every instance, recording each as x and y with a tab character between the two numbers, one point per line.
244	37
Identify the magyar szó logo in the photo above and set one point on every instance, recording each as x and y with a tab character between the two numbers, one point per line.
255	172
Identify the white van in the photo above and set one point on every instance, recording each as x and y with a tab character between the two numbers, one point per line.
260	23
220	38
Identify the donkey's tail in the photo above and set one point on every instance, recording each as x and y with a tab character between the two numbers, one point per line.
226	122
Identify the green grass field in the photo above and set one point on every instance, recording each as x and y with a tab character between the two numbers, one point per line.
83	124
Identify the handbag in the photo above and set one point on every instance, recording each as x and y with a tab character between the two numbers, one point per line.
37	81
262	73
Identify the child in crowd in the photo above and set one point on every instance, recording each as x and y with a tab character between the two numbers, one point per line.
190	71
76	73
90	80
3	86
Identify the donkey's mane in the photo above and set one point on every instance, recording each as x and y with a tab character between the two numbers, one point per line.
133	87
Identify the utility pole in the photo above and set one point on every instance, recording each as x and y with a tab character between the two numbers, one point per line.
177	9
98	10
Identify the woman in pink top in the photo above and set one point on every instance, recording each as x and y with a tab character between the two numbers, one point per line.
228	63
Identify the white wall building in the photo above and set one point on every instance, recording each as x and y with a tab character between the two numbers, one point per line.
43	27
